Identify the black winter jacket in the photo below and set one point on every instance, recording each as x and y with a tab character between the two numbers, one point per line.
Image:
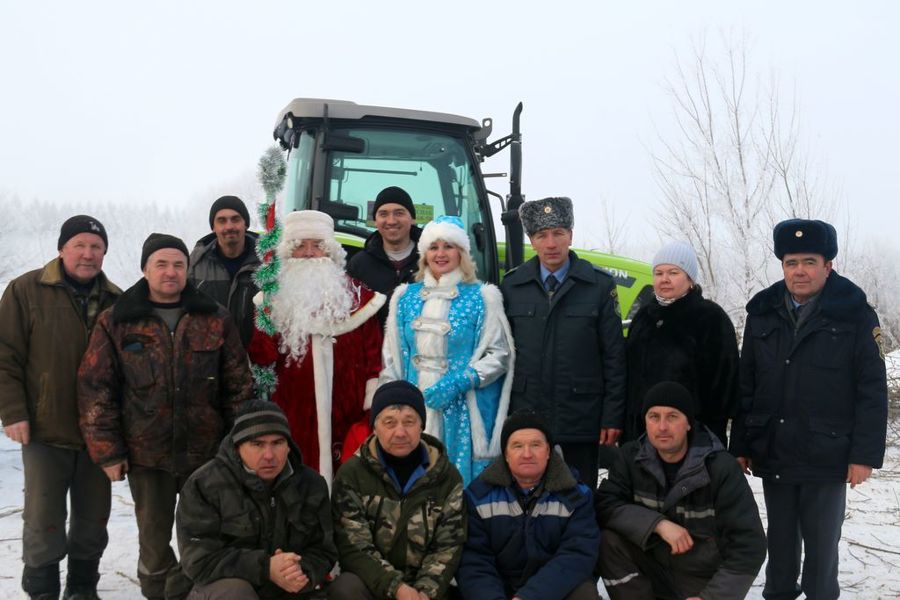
815	400
230	522
372	266
710	498
691	341
570	353
210	276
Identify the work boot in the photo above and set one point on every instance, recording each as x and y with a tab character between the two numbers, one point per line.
42	582
81	580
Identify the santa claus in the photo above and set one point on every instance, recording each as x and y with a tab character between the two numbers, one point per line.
327	349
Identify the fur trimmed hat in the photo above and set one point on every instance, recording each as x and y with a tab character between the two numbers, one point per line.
232	202
158	241
547	213
680	254
804	235
448	228
81	224
306	225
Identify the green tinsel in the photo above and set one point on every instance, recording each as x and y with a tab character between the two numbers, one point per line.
264	381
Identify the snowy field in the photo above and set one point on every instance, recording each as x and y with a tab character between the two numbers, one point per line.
870	549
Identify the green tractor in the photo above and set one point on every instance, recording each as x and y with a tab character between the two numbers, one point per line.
341	154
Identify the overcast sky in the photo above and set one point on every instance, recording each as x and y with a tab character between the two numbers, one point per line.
169	101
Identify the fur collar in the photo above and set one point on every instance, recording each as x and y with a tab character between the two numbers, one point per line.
134	304
557	478
839	298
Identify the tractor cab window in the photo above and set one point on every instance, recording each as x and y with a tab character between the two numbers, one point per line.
434	169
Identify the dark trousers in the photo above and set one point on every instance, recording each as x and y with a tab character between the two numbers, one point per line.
805	516
585	458
155	493
630	572
52	474
348	586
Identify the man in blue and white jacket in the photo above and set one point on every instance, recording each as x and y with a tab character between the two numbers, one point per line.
532	531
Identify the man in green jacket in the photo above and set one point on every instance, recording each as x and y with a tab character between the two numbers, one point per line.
255	522
46	316
398	507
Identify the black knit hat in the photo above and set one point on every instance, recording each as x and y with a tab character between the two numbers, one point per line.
81	224
397	392
258	418
232	202
158	241
394	195
672	394
524	419
803	235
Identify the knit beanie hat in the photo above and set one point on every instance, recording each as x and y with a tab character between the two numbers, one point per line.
258	418
524	419
547	213
81	224
672	394
448	228
803	235
232	202
394	195
680	254
158	241
397	392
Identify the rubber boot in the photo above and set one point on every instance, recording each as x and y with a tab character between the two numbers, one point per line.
81	581
41	583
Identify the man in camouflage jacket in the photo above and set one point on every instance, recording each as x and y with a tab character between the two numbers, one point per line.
398	507
255	520
158	388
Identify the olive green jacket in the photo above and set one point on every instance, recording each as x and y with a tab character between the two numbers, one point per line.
44	331
387	538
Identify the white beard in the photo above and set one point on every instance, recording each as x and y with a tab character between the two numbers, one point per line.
314	296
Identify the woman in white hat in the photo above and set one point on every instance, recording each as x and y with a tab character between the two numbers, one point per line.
681	336
448	335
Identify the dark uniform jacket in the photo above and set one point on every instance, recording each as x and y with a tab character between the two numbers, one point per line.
388	538
570	353
710	498
210	276
691	341
545	550
161	400
230	522
44	330
813	400
372	266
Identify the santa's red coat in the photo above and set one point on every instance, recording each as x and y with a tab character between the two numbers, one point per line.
357	359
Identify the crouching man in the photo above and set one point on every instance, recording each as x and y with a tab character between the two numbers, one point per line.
678	517
532	532
398	507
255	522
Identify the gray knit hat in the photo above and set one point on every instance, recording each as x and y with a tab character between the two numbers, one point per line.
547	213
680	254
258	418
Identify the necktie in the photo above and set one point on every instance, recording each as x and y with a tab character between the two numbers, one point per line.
551	283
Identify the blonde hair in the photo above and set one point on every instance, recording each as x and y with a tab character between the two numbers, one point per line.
466	266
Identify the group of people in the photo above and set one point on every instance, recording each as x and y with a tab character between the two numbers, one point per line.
430	434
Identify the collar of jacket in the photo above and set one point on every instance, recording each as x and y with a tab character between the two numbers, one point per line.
684	304
700	445
557	478
839	298
208	242
135	304
228	455
374	244
51	274
530	271
437	460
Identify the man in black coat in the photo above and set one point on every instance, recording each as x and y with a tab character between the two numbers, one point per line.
814	406
389	256
570	353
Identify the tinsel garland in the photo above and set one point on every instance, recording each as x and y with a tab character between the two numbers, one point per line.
272	170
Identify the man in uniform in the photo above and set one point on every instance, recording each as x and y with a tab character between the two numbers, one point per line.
223	262
46	317
814	406
570	353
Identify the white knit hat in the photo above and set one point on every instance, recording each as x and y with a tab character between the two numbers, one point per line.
448	228
680	254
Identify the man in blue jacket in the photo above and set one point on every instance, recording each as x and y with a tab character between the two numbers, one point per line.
532	533
814	406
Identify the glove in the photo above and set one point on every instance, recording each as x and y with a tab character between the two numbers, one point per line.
450	387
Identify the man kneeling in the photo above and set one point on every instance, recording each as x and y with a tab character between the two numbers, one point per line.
532	533
678	517
254	522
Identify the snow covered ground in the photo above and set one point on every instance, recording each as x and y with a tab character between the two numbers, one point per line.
870	549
